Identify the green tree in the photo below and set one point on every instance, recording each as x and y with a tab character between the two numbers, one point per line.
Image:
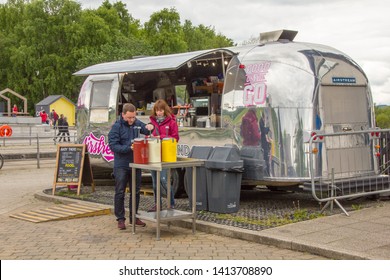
382	115
43	42
40	55
128	26
202	37
165	33
49	40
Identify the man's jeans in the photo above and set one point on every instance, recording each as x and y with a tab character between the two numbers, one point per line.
163	184
122	177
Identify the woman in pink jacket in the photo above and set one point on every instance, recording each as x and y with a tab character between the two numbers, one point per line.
165	126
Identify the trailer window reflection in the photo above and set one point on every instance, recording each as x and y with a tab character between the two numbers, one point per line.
234	85
101	94
100	102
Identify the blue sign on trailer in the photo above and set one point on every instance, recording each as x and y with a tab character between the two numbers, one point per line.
343	80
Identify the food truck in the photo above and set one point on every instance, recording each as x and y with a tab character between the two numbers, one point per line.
263	98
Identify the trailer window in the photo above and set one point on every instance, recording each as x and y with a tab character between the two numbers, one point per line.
181	94
100	101
234	85
101	94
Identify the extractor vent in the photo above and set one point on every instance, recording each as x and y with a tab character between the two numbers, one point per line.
277	35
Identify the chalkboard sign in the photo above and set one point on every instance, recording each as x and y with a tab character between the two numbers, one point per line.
69	164
72	167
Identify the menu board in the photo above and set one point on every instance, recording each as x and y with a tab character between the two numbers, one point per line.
69	164
72	167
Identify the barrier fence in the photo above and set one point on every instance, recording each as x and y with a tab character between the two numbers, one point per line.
348	165
31	142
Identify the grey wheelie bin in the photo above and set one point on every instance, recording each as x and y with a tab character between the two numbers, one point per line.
254	163
198	152
224	173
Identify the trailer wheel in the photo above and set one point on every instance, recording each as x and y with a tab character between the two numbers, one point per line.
279	189
248	187
272	188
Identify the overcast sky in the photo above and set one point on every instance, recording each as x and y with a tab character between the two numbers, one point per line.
360	28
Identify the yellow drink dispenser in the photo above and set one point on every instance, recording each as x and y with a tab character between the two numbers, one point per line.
169	150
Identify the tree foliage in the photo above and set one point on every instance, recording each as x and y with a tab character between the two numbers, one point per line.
165	32
42	42
203	37
382	116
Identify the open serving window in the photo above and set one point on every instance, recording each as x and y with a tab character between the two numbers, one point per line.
191	83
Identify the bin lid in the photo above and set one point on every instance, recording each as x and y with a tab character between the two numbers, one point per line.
200	152
225	153
233	166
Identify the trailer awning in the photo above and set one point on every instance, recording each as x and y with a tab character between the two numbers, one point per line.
153	63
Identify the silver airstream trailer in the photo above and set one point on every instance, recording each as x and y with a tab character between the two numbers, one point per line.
265	99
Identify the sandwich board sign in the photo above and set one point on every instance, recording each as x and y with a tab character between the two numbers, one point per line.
73	167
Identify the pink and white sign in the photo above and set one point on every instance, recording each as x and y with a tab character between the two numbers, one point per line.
98	146
255	87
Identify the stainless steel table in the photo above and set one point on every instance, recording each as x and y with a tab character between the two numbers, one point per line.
168	214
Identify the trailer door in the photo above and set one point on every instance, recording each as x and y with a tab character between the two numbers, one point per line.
346	109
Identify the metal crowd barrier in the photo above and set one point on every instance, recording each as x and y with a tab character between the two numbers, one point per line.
32	142
348	165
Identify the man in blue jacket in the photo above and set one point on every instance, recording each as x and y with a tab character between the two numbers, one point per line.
120	139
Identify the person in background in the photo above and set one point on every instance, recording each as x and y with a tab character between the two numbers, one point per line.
165	125
44	117
54	117
51	118
60	122
120	139
15	111
64	130
265	141
250	131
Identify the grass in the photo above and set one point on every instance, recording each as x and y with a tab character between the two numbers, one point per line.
72	194
297	215
272	220
357	207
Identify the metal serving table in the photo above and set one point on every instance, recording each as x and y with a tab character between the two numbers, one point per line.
168	214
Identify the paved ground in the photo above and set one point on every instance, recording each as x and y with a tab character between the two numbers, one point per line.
98	238
363	235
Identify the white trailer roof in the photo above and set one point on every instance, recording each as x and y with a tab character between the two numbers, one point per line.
151	63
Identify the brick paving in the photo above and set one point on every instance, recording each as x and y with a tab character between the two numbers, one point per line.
97	238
